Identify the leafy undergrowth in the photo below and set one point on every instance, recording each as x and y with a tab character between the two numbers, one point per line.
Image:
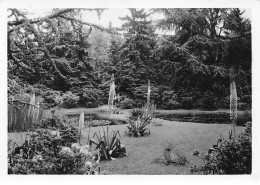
52	149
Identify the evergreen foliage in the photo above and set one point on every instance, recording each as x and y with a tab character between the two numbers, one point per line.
60	53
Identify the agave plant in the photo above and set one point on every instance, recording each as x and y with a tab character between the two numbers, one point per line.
109	145
139	127
135	114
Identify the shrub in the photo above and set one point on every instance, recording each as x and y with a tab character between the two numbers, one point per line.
51	98
70	100
171	156
221	117
44	153
109	147
68	131
187	103
139	127
127	104
135	114
229	156
89	97
242	106
171	105
208	102
243	118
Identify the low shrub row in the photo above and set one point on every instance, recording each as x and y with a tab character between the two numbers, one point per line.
221	118
212	118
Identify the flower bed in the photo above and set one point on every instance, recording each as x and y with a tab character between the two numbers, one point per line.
53	149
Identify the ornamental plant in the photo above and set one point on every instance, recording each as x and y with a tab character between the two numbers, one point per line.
43	153
230	156
139	127
108	144
139	124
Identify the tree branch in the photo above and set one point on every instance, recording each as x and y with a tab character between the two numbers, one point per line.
89	24
56	14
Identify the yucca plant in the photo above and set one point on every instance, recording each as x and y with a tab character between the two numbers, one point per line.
109	145
233	99
139	127
135	114
112	93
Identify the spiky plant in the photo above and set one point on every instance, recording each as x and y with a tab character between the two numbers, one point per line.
112	93
139	127
135	114
109	145
233	99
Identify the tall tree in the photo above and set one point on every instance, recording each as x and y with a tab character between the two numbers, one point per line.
203	45
135	65
52	50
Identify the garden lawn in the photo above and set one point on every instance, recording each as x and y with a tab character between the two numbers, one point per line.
142	151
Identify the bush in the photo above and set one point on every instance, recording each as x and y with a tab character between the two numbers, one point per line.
89	97
171	105
208	102
139	127
68	132
135	114
221	118
187	103
70	100
52	98
49	151
171	156
229	156
243	118
242	106
127	104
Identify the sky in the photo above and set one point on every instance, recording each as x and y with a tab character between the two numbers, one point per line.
109	15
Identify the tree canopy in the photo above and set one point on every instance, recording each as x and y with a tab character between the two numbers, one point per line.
61	52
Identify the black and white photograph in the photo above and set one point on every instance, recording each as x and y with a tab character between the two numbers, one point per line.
129	90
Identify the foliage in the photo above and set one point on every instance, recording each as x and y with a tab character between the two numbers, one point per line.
135	114
52	98
243	118
70	100
88	97
135	65
67	130
203	117
127	103
139	127
171	156
187	103
62	53
208	102
108	144
231	156
45	153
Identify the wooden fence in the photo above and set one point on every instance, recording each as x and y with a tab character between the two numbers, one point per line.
24	112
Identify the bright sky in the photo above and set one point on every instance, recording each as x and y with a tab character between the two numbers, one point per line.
109	15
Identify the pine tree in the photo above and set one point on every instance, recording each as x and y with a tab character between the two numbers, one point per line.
135	65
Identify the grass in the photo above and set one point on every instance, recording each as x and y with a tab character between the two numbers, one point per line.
142	151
